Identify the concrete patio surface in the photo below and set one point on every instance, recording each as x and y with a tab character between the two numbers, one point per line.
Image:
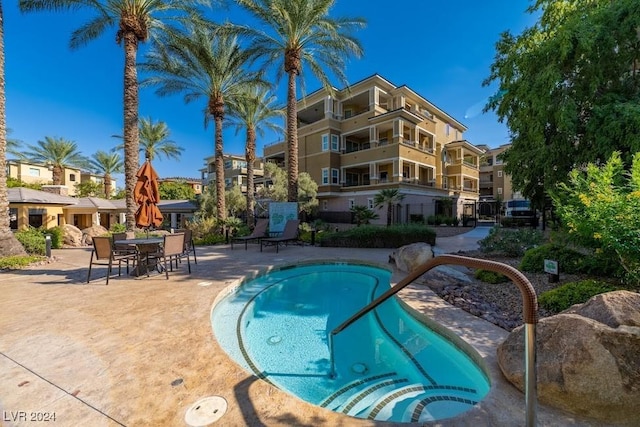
141	351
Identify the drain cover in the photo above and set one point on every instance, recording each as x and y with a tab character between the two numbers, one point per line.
206	411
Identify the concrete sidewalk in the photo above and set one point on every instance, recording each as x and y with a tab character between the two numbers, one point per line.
140	352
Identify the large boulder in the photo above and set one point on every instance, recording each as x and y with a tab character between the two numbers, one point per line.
71	235
93	231
10	245
588	359
408	258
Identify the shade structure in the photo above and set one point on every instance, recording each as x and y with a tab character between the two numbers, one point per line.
147	195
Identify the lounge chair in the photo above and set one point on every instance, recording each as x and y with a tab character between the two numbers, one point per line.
259	232
290	234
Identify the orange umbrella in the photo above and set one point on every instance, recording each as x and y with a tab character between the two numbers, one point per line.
147	195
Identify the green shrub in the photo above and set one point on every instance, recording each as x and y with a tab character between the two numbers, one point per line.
370	236
419	218
57	236
569	261
563	297
431	220
118	228
210	239
18	261
490	276
510	242
32	240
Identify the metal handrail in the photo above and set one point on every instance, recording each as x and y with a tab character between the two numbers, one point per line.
529	313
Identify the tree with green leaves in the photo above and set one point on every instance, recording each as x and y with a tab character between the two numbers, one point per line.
569	88
154	141
10	245
172	190
363	215
299	34
203	64
254	111
135	21
59	153
599	208
235	201
388	197
276	189
89	189
106	164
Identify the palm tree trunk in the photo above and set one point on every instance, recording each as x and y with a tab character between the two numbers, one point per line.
10	245
250	157
221	210
107	186
131	137
292	138
56	175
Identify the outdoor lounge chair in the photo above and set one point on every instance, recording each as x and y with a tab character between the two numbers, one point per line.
290	234
106	254
259	232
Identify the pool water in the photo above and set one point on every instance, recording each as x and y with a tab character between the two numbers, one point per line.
388	365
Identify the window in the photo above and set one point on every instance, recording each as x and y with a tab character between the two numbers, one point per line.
13	218
335	176
383	176
499	190
370	203
447	129
325	142
352	203
227	164
325	176
334	143
72	177
499	174
325	205
34	172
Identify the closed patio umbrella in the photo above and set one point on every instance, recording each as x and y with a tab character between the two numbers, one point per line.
147	195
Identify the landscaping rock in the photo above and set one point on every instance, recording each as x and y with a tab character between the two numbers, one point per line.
587	358
408	258
10	245
71	235
90	232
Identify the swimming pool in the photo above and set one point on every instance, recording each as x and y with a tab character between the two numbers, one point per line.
389	366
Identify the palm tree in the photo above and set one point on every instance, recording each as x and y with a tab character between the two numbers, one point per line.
154	141
13	146
10	245
106	164
254	111
135	21
207	65
363	215
389	197
57	153
300	32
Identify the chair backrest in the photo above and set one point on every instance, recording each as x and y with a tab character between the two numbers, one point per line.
188	237
260	230
102	247
291	229
173	244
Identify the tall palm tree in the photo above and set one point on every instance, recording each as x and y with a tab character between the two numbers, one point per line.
135	21
389	197
254	111
202	64
58	153
13	146
10	245
300	33
106	164
154	141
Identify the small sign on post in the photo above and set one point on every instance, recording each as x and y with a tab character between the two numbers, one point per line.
551	267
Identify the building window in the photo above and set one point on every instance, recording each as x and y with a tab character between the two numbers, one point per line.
334	143
228	164
447	129
325	205
335	176
325	176
352	203
325	142
72	177
499	174
34	172
370	203
499	190
13	218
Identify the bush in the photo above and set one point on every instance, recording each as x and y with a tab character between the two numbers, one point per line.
510	242
118	228
419	218
490	276
18	261
569	261
33	241
57	236
210	239
563	297
370	236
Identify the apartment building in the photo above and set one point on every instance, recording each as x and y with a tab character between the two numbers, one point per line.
376	135
34	173
235	171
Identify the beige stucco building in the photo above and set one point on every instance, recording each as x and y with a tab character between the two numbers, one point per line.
376	135
235	171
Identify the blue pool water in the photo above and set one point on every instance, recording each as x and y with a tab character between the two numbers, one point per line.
389	365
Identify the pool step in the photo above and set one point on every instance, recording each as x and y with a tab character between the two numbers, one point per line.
336	400
361	400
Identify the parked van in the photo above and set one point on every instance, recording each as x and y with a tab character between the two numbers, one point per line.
520	211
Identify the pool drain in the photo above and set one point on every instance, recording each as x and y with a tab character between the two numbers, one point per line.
359	368
206	411
273	340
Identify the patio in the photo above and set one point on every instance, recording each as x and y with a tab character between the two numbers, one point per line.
114	355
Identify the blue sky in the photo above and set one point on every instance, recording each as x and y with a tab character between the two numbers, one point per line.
442	49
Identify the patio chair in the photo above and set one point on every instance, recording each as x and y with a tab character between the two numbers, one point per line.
188	242
290	234
259	232
122	249
105	254
172	251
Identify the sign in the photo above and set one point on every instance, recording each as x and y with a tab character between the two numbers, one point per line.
280	213
550	266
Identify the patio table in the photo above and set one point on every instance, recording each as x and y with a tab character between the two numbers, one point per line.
143	247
